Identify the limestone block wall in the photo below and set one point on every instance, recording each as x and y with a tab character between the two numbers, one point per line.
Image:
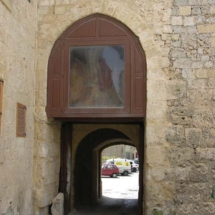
191	105
178	39
17	69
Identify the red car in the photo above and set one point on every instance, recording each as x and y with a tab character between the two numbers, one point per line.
110	170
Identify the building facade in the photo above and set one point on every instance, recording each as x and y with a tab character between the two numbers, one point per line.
178	132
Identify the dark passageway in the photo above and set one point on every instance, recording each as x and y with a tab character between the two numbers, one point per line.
89	198
85	166
109	206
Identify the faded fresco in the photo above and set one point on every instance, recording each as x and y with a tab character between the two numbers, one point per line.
97	76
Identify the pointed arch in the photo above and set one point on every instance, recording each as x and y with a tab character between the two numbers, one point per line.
93	31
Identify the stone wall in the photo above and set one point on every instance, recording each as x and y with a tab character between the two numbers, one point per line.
191	105
17	69
178	38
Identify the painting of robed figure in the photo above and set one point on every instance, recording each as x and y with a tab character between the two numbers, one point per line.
97	77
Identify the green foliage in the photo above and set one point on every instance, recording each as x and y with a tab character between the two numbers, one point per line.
157	212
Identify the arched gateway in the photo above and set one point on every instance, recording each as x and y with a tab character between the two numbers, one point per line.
96	75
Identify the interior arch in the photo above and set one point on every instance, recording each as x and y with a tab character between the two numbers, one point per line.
86	174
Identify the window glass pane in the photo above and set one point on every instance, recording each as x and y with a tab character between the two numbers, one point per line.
97	77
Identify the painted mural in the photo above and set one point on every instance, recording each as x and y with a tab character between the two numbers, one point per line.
97	77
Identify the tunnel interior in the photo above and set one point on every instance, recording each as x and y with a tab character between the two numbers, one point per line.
87	164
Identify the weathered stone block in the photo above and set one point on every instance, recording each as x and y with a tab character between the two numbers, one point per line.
44	3
211	73
157	86
181	157
181	2
177	20
62	2
206	155
208	137
202	73
182	174
197	65
196	10
157	173
152	135
208	64
176	135
60	9
192	193
188	21
193	137
181	112
205	58
178	53
158	110
197	83
184	10
175	37
211	83
155	155
193	2
212	9
212	40
58	205
183	63
207	28
188	73
43	10
199	173
203	118
176	89
167	29
200	94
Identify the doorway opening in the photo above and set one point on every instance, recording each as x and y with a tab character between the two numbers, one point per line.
120	176
83	171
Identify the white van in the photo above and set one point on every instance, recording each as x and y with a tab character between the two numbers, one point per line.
123	165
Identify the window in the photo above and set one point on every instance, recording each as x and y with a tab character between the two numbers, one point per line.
96	77
21	120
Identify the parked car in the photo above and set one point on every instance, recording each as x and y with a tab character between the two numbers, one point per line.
110	170
122	163
134	166
136	160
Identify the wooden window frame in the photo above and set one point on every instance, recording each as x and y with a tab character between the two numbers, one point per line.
97	30
23	107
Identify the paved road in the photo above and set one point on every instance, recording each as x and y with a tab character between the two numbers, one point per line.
122	187
120	197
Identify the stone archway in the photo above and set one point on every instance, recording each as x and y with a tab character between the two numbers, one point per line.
84	165
97	153
80	159
133	107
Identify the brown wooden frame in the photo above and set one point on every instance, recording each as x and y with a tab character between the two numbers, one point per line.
68	110
97	30
21	121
